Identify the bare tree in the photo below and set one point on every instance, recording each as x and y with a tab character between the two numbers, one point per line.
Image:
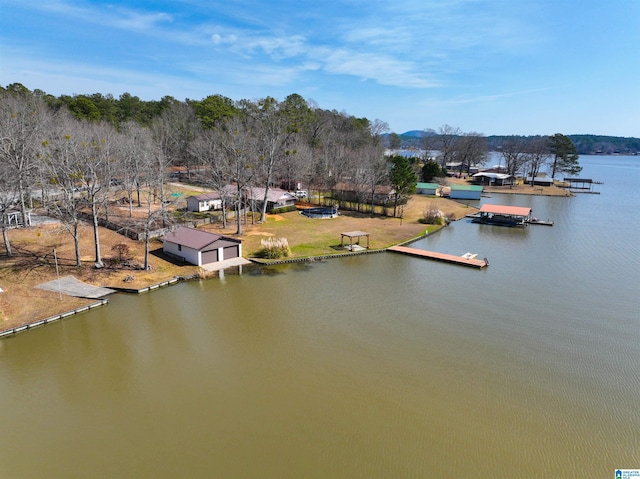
448	137
470	150
205	147
63	155
24	119
513	150
271	135
8	197
537	156
176	128
136	159
238	154
97	152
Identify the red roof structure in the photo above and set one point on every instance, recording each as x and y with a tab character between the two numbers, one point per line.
506	210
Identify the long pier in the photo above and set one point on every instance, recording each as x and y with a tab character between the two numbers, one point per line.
447	258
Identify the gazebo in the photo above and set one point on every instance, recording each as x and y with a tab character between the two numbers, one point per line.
351	235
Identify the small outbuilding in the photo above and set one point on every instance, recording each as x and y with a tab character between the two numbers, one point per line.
465	192
493	179
200	247
204	202
427	189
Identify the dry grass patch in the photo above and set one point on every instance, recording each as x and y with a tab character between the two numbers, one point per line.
33	262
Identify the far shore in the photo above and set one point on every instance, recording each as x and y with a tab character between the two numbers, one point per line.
36	249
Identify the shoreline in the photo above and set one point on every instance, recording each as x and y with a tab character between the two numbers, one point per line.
174	274
12	331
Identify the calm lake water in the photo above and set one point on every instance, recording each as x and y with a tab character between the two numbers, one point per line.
376	366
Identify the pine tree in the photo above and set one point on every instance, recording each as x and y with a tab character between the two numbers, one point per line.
565	155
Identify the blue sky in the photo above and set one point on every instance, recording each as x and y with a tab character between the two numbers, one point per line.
489	66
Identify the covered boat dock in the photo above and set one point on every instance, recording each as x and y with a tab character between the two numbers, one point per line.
504	215
580	185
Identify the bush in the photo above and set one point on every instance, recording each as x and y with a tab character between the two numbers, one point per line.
123	251
283	209
432	216
274	248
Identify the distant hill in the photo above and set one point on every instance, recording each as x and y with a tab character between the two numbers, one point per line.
585	144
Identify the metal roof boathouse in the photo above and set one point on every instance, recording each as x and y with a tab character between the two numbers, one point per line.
503	215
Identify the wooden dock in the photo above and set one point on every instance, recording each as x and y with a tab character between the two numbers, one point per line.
447	258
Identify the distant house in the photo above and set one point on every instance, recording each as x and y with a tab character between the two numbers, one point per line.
204	202
200	247
276	198
465	192
427	188
382	194
493	179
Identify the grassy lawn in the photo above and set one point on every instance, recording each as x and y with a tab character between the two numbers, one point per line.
318	237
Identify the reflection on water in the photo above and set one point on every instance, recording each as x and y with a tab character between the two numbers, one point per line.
372	366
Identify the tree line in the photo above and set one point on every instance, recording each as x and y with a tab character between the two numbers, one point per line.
69	154
585	144
452	149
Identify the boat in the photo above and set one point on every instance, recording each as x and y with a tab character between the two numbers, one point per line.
536	221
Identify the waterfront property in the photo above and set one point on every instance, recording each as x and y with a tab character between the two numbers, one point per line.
503	215
276	198
381	195
200	247
493	179
427	189
465	192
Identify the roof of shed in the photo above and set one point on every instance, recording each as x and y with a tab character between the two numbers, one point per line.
213	195
466	187
195	238
506	210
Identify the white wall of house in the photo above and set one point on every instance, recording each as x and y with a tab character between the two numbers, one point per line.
200	206
189	254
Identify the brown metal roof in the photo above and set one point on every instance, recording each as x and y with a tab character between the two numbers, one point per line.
213	195
506	210
196	239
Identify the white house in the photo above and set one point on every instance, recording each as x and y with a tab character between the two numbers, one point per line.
200	247
493	179
204	202
276	198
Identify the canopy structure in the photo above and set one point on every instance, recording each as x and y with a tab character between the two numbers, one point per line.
504	215
506	210
351	235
